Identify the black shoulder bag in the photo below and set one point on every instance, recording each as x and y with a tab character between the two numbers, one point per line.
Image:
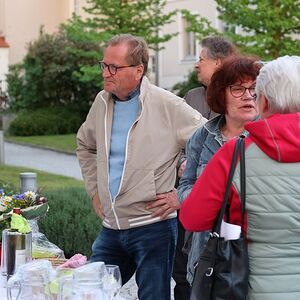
223	268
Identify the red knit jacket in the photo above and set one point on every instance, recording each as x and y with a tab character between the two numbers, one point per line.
277	136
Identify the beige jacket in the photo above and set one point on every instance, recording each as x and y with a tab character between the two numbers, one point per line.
154	144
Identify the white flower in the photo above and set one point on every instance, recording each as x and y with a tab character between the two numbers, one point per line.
30	195
5	200
2	208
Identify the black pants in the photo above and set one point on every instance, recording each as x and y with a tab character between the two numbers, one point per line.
182	287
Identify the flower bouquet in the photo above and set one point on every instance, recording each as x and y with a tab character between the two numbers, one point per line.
31	205
15	212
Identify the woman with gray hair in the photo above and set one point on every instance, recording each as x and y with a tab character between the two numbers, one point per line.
272	183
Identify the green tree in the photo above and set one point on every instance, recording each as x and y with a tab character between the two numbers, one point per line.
271	26
108	18
268	28
61	69
199	25
48	75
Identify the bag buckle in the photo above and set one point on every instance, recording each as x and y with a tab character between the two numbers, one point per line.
209	271
215	234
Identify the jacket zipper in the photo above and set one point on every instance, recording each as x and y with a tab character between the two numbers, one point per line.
107	159
125	159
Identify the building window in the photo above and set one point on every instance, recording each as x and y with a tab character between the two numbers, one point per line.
189	42
76	7
153	64
229	28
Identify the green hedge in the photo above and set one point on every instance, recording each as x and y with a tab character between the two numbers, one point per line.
48	121
71	222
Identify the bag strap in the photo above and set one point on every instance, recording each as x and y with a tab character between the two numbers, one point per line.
239	147
242	182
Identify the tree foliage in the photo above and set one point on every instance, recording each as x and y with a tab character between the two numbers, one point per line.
109	18
49	74
267	28
199	25
181	88
270	26
62	69
142	18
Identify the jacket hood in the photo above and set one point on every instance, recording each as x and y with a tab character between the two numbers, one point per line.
278	136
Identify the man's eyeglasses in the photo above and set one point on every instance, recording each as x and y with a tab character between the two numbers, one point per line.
239	90
112	69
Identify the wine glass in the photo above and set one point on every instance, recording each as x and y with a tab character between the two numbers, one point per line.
112	281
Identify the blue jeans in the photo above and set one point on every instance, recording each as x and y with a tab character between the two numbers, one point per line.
147	250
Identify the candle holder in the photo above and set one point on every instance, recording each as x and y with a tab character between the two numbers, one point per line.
16	250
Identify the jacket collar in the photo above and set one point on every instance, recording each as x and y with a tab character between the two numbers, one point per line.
130	96
142	88
214	125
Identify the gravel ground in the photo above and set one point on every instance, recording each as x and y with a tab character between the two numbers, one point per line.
129	290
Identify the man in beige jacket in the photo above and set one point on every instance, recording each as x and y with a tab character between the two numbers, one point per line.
128	149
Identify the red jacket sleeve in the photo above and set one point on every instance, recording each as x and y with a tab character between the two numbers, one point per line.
200	209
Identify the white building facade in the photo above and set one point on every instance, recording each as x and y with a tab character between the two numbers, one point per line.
182	51
22	20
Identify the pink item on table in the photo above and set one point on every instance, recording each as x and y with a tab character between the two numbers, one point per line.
75	261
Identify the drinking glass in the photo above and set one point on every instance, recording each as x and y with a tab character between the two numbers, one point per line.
112	281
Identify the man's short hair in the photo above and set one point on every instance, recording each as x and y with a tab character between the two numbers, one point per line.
218	47
138	52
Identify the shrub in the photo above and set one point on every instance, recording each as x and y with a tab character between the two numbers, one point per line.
181	88
52	74
8	187
71	222
46	122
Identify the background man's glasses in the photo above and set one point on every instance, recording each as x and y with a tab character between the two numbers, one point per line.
112	69
239	90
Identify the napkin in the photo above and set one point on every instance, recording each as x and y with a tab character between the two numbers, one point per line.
75	261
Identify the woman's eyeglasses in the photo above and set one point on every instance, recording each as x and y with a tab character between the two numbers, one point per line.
239	90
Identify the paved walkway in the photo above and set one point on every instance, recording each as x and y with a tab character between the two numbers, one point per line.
42	159
61	164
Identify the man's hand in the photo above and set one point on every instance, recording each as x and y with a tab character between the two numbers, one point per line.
98	207
165	204
181	168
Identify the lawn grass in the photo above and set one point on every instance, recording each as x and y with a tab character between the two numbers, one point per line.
63	142
45	181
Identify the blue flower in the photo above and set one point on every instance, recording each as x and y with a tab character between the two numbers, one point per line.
21	196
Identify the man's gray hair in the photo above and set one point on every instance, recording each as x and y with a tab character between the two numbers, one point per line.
218	47
138	52
279	82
